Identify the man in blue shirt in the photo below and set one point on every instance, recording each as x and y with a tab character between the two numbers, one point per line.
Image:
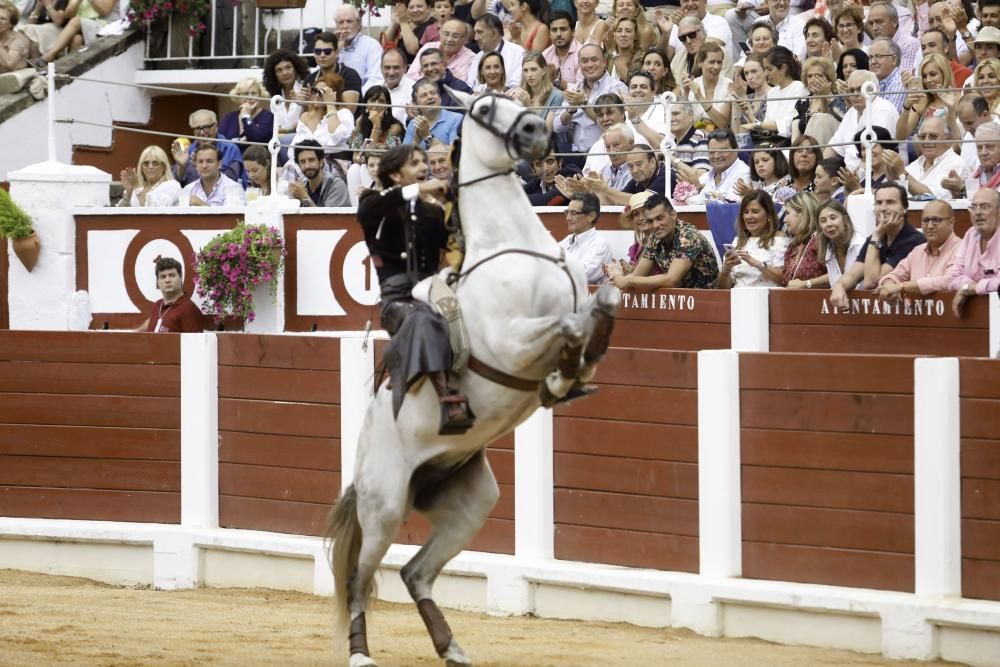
204	124
430	119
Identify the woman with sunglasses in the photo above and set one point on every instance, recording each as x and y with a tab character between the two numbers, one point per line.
151	183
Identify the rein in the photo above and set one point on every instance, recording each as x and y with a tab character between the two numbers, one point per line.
558	261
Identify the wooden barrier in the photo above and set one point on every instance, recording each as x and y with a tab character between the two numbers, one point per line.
827	460
4	267
279	428
979	391
805	321
678	319
90	426
626	468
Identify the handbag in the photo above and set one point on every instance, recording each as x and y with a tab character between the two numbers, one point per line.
760	136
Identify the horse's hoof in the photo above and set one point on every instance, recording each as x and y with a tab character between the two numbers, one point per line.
359	660
608	299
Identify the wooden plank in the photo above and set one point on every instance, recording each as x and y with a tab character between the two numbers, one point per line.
505	441
861	339
91	442
619	475
280	384
75	410
891	414
90	504
95	379
981	579
834	489
824	450
502	463
308	419
824	372
980	498
496	535
75	473
676	305
812	307
637	404
846	529
321	353
289	451
979	378
981	539
293	484
979	417
277	516
504	509
85	347
833	567
648	514
605	437
628	548
981	458
648	368
676	335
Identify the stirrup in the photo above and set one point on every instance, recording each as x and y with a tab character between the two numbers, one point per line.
455	425
577	391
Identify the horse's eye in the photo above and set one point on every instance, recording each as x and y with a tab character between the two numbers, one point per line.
482	111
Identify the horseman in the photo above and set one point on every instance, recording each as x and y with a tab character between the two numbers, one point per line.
404	227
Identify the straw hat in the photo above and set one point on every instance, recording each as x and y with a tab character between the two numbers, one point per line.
988	35
635	202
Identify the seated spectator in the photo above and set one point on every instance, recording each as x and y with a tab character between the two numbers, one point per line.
257	162
925	270
802	167
828	182
646	33
757	258
151	183
204	125
375	125
492	77
14	45
358	51
174	312
819	116
633	217
211	187
819	37
363	176
947	38
319	188
536	90
644	111
920	105
711	89
849	23
936	40
837	244
252	121
768	173
541	188
323	120
988	154
411	26
977	261
937	162
439	160
762	37
457	58
681	252
973	112
488	33
720	181
432	66
80	30
562	55
657	64
584	243
883	114
851	61
646	174
399	85
892	240
986	82
625	53
751	90
589	28
41	22
430	120
885	152
325	52
610	111
883	23
618	141
527	29
784	73
284	74
802	266
689	162
691	32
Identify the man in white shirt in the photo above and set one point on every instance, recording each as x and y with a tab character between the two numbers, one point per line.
883	114
789	27
715	26
584	243
212	187
607	117
400	87
720	181
358	51
489	36
936	162
644	110
973	112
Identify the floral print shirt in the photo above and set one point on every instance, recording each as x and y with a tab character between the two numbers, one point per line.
691	244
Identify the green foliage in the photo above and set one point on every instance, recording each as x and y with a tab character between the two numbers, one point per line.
14	222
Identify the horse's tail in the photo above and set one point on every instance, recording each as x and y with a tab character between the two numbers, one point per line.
344	530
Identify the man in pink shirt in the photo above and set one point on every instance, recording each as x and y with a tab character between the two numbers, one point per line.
925	269
562	54
452	45
977	261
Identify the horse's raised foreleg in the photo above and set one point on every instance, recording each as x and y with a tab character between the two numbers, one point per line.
456	508
606	302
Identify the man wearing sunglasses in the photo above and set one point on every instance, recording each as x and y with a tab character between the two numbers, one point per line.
204	125
715	26
325	51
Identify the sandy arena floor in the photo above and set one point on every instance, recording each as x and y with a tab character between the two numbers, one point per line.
49	620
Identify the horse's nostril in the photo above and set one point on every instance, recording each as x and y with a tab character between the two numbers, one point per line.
529	127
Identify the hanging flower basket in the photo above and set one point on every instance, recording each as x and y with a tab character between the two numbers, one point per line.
232	265
15	225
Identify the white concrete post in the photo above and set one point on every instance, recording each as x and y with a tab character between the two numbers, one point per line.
199	431
357	374
269	312
49	192
995	325
720	532
749	319
534	525
937	478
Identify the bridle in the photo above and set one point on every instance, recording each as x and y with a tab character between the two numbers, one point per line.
484	117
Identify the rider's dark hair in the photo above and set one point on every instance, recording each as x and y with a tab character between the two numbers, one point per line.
394	160
591	204
167	263
655	200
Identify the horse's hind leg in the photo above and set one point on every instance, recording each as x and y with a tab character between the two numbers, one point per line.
456	508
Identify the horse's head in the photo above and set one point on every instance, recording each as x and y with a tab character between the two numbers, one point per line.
497	119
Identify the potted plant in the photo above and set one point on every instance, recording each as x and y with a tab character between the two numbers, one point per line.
232	265
15	225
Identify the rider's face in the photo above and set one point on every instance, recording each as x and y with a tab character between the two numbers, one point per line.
415	170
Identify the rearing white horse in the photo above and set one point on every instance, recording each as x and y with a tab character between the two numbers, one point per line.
535	336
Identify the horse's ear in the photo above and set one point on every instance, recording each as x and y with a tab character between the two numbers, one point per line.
465	99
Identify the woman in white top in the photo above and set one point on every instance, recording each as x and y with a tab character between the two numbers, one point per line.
757	257
322	120
710	86
492	75
783	73
839	244
151	183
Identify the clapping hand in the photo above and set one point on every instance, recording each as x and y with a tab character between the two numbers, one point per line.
130	180
521	96
421	127
893	163
742	188
179	153
849	179
953	183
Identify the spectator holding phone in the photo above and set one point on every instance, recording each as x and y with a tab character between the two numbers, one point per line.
757	258
375	125
323	121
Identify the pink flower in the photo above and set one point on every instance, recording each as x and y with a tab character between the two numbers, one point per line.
168	5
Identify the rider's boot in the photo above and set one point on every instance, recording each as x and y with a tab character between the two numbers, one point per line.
456	415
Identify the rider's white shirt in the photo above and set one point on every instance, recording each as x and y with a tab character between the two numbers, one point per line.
590	250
